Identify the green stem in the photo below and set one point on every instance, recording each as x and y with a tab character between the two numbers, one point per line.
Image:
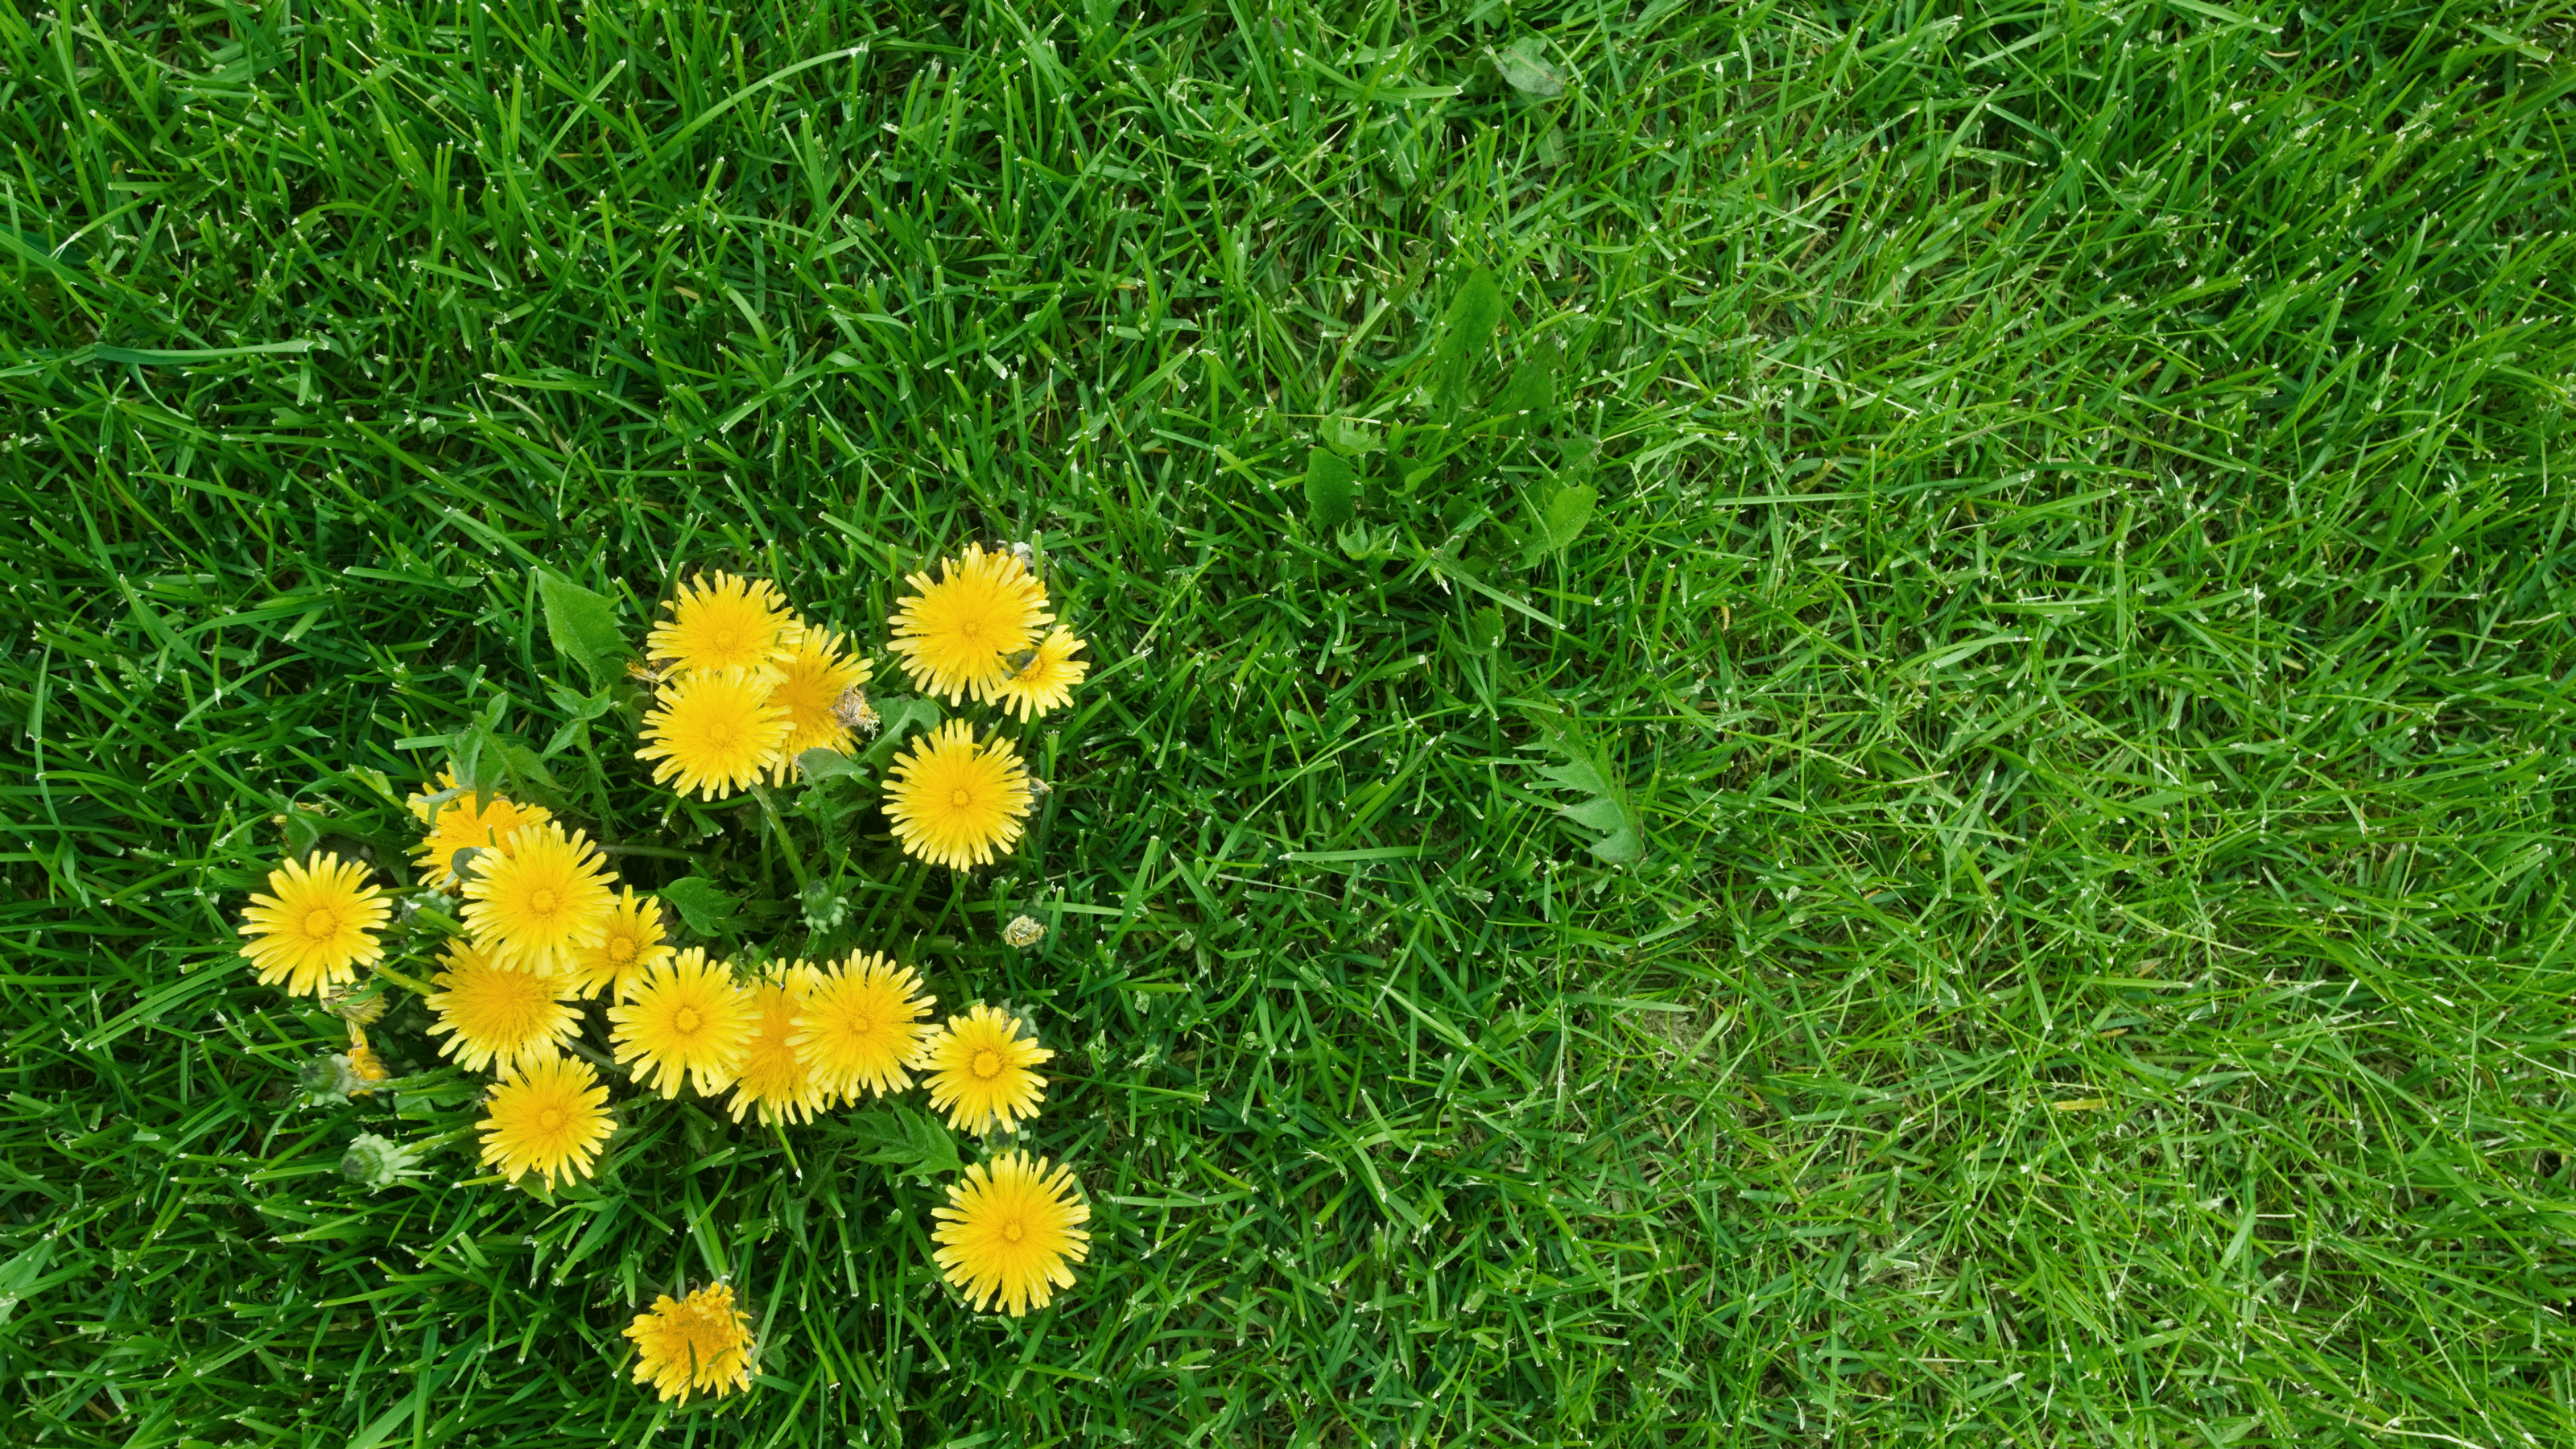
399	979
778	830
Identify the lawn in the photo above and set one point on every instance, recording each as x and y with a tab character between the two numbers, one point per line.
2037	541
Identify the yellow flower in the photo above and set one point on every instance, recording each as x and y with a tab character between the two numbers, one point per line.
688	1018
548	1118
732	624
701	1342
775	1076
366	1066
457	824
1046	682
954	803
714	734
316	926
632	945
1008	1231
817	675
537	906
861	1026
979	1071
497	1015
953	634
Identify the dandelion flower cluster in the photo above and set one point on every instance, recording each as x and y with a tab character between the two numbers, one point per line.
1008	1231
466	821
688	1021
496	1014
715	734
954	802
775	1076
538	905
724	624
700	1343
979	1071
316	925
860	1026
629	945
548	1118
954	636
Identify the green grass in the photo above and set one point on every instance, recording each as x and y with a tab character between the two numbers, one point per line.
2079	602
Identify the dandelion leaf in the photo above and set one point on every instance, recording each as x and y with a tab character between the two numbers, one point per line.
1332	489
583	628
896	1137
706	906
1606	810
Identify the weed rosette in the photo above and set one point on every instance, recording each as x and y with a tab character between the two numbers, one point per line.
604	956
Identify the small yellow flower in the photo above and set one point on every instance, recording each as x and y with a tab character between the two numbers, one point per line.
817	675
952	635
458	823
632	945
775	1075
714	734
537	906
979	1071
548	1118
1008	1232
1046	681
861	1026
730	624
955	803
688	1019
498	1015
316	926
700	1343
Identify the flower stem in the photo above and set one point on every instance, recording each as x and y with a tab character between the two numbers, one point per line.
778	829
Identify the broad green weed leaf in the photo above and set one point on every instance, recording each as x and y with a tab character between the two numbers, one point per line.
1523	67
583	628
1466	333
1332	489
1568	509
1529	399
1350	437
706	906
822	764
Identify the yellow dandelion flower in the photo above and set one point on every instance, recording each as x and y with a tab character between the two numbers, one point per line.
688	1019
700	1343
714	734
730	624
955	803
979	1071
1046	681
316	926
817	675
952	635
1008	1231
498	1015
861	1026
548	1118
776	1076
631	945
366	1066
460	822
537	906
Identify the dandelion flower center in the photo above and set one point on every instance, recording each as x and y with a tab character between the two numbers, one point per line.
551	1118
724	640
961	798
687	1021
542	902
988	1064
320	925
621	949
1013	1231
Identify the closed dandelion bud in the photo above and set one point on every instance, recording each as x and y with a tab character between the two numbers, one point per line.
376	1163
324	1078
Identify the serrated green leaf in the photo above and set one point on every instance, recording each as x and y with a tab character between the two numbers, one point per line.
583	628
707	907
1332	489
1350	437
899	715
1606	809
